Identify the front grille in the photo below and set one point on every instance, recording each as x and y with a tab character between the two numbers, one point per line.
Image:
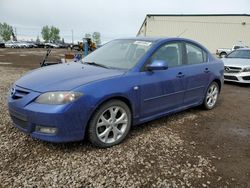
232	69
231	78
18	93
19	119
246	77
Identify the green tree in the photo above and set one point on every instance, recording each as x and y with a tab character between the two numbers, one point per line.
50	34
46	33
6	31
54	34
96	37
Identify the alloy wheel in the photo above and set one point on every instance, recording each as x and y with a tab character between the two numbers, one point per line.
112	124
212	95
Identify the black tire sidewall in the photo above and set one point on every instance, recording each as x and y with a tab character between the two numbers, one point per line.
92	135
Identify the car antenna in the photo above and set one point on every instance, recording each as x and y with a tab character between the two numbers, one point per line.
182	33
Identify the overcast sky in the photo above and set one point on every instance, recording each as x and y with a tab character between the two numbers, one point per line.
112	18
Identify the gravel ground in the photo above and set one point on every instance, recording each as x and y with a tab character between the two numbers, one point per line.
154	155
195	148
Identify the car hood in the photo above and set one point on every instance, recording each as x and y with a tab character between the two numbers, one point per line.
64	77
236	62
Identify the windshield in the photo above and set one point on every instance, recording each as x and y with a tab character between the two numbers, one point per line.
240	54
121	54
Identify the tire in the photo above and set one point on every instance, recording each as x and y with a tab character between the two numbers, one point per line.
223	54
102	121
211	97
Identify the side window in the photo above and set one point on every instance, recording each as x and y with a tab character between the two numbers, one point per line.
171	53
195	54
237	47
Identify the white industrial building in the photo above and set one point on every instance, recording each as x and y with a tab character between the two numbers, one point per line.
212	30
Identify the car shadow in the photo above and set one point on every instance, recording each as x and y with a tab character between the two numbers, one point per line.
237	84
136	130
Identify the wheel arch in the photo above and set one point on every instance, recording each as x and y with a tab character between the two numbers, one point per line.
218	82
117	97
223	52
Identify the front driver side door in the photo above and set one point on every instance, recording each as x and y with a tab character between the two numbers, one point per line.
162	91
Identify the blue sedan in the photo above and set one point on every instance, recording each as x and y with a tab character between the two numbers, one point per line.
124	83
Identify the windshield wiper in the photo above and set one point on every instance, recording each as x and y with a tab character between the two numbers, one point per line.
97	64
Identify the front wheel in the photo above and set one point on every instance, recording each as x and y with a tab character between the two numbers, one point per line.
110	124
211	97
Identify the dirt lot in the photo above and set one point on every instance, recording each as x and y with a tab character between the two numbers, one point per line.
195	148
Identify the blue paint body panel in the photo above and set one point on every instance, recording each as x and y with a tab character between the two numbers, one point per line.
150	94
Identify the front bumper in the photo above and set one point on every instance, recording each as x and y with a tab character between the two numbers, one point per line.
69	121
241	77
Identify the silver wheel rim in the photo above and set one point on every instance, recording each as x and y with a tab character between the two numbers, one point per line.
212	95
112	124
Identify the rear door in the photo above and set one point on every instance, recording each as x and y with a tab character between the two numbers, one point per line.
197	73
162	91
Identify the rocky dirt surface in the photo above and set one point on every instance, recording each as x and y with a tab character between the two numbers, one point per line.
195	148
29	58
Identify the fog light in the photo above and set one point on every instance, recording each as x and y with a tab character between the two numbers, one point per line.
46	130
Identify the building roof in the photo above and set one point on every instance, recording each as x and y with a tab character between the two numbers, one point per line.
197	15
149	15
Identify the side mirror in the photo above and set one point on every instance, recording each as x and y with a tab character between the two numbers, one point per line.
157	65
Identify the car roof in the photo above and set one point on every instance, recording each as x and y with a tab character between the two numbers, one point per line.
157	39
243	49
165	39
150	39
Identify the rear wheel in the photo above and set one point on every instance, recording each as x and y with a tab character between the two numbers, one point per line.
211	97
110	124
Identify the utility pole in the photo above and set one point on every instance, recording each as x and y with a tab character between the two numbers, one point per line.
72	34
16	31
14	34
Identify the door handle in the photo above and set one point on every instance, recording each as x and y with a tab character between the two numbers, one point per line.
180	75
206	70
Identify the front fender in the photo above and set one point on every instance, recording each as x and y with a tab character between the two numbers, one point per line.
123	88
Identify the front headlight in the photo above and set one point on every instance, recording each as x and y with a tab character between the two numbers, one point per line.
246	69
58	97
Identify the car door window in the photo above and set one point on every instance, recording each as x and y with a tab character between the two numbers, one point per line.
195	54
171	53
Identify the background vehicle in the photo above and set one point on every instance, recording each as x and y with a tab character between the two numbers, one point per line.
222	52
39	45
31	44
63	45
19	44
50	45
125	82
2	44
80	47
11	44
22	44
237	66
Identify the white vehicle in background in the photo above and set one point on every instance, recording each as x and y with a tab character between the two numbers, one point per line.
51	45
237	66
10	44
223	52
19	44
23	44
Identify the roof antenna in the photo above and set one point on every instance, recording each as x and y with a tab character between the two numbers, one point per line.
182	33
